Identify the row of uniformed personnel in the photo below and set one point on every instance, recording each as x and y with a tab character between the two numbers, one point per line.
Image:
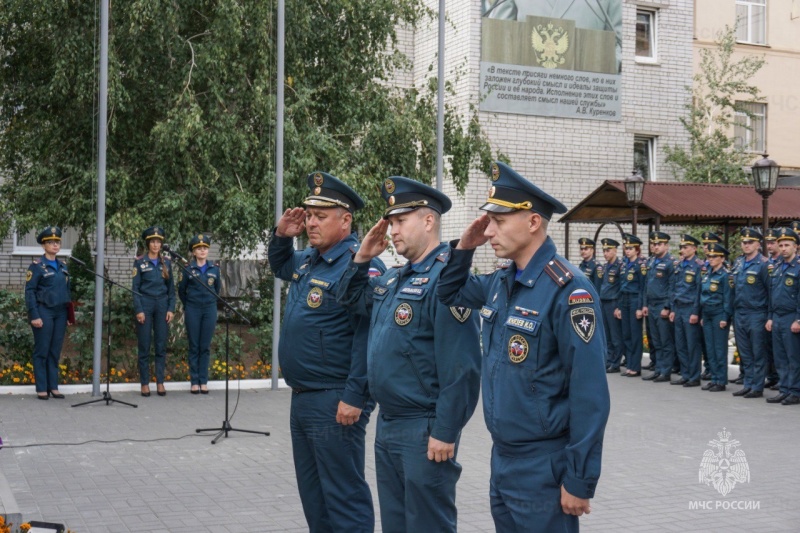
691	304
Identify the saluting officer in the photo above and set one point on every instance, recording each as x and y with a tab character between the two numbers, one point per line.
750	306
323	358
545	398
773	258
629	310
200	309
154	306
589	266
657	306
609	296
47	297
424	361
716	310
783	319
685	314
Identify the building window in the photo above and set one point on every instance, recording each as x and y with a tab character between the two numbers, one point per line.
644	150
751	21
645	35
750	127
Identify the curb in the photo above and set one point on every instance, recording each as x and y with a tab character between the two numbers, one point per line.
8	504
134	387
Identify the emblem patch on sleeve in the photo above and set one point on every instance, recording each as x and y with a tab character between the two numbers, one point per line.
403	314
583	321
29	275
314	298
134	272
461	313
580	296
517	349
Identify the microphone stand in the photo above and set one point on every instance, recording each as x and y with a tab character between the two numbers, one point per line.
107	393
226	425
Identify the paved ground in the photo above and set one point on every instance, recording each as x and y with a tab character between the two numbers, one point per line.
654	444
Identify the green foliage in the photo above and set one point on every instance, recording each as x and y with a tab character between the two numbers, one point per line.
16	338
82	278
720	82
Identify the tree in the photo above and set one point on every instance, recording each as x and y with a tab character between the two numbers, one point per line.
721	85
191	112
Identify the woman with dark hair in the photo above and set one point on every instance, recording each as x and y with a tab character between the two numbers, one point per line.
154	305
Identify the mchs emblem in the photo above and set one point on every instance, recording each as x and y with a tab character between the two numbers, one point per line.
724	466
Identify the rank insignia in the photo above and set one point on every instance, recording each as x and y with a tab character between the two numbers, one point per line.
461	313
580	296
380	291
389	186
403	314
583	322
517	349
29	275
314	298
751	279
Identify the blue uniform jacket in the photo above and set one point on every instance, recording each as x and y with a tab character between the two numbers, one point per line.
46	287
593	271
609	288
150	283
316	346
751	284
716	293
658	283
633	275
544	359
424	357
686	281
189	290
784	284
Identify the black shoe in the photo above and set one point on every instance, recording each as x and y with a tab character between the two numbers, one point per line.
791	400
707	386
775	387
681	381
661	379
195	391
146	393
612	370
631	374
739	381
770	383
203	391
56	394
779	398
160	390
741	392
705	376
651	377
717	388
754	394
693	383
45	397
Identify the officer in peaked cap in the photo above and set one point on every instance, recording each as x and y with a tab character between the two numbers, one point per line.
198	286
154	307
542	329
685	313
773	255
328	391
589	265
658	305
631	301
47	298
750	278
716	310
783	319
795	225
423	360
609	297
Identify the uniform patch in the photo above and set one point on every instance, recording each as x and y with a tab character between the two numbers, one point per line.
412	290
529	326
517	349
487	312
320	283
789	282
751	280
689	278
29	275
580	296
210	282
374	272
380	291
419	281
643	269
403	314
295	276
314	298
583	321
134	272
714	287
630	276
461	313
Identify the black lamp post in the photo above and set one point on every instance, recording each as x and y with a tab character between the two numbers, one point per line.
634	190
765	180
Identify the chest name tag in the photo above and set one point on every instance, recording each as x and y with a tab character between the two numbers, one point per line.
412	290
380	291
319	283
523	324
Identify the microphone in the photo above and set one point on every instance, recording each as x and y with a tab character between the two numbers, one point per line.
166	248
81	263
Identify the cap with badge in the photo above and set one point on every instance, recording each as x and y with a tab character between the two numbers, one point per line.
709	237
586	242
404	194
50	233
608	243
659	236
786	234
716	249
511	192
154	232
795	225
631	240
689	240
750	234
330	191
772	234
200	239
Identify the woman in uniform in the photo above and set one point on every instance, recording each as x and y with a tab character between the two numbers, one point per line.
200	309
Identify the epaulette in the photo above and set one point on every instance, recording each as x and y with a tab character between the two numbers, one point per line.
444	256
37	261
558	272
139	257
354	249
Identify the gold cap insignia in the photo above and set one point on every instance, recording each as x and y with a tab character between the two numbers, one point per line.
495	172
318	179
389	186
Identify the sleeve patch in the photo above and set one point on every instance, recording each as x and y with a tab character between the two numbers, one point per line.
28	276
461	313
583	321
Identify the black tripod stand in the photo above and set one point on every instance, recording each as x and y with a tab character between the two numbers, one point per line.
107	393
226	424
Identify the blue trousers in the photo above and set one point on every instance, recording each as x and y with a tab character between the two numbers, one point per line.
716	339
662	338
786	350
154	329
525	494
751	341
416	494
687	344
200	325
771	371
329	464
613	329
631	331
47	343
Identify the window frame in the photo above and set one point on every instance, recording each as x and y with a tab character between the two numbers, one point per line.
653	40
749	131
749	23
651	141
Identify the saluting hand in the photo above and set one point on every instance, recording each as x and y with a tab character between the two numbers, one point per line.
374	242
440	451
292	223
474	235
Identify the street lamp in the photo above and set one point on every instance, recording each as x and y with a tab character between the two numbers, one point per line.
765	180
634	190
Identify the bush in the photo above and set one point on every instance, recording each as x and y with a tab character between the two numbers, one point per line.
16	337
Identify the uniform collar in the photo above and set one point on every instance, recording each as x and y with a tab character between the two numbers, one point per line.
338	249
536	265
426	264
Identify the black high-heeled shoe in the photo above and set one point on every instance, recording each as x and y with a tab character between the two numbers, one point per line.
204	391
45	397
56	394
161	392
146	393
